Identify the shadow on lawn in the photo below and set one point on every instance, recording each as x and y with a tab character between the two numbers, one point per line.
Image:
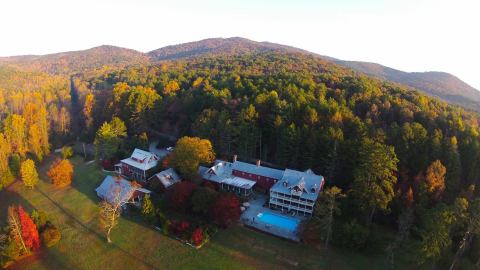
9	196
90	230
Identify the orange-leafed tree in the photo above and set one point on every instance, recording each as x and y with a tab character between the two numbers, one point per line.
435	178
61	173
30	234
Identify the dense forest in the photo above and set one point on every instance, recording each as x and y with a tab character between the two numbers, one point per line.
403	161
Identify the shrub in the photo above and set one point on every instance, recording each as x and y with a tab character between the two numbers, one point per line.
11	251
148	210
66	152
182	227
40	219
353	235
61	173
50	235
197	236
108	165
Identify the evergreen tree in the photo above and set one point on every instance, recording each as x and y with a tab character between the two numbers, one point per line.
375	177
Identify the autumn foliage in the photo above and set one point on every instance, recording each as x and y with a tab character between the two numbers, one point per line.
226	210
30	234
61	173
180	195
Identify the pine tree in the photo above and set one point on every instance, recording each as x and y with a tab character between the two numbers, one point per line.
375	177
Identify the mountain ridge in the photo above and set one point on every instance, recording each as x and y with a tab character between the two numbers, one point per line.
434	83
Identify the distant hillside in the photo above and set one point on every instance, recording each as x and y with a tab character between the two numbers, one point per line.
211	46
77	61
439	84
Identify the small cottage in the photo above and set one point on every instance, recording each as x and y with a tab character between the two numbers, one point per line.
115	189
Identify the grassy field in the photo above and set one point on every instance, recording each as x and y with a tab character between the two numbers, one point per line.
137	246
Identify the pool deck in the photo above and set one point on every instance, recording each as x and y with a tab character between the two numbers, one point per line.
249	218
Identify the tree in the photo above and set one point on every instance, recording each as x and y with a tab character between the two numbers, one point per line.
14	130
325	211
109	137
148	209
15	228
110	210
375	176
202	199
472	230
435	178
435	234
226	210
171	88
87	110
61	173
29	173
34	142
189	153
30	234
180	195
6	176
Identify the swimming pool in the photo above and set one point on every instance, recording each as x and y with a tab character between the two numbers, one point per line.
282	222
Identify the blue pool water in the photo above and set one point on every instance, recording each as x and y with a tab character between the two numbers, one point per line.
283	222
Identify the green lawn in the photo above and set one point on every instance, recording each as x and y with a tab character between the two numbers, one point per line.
137	246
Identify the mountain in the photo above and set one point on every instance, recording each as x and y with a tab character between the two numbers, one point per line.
77	61
439	84
214	46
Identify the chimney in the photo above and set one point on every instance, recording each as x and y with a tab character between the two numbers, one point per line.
258	163
234	158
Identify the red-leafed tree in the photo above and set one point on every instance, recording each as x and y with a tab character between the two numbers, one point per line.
226	210
29	230
197	236
180	195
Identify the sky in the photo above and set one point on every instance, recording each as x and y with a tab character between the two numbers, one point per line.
410	35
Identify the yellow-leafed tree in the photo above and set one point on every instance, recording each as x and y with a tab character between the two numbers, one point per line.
29	173
189	153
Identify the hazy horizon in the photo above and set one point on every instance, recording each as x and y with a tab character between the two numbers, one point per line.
412	36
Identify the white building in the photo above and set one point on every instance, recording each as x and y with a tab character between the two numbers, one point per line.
296	191
139	166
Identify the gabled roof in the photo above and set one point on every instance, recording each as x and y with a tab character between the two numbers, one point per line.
107	190
141	159
219	171
304	184
168	177
257	170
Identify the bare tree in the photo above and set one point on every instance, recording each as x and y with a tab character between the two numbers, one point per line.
111	208
16	228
